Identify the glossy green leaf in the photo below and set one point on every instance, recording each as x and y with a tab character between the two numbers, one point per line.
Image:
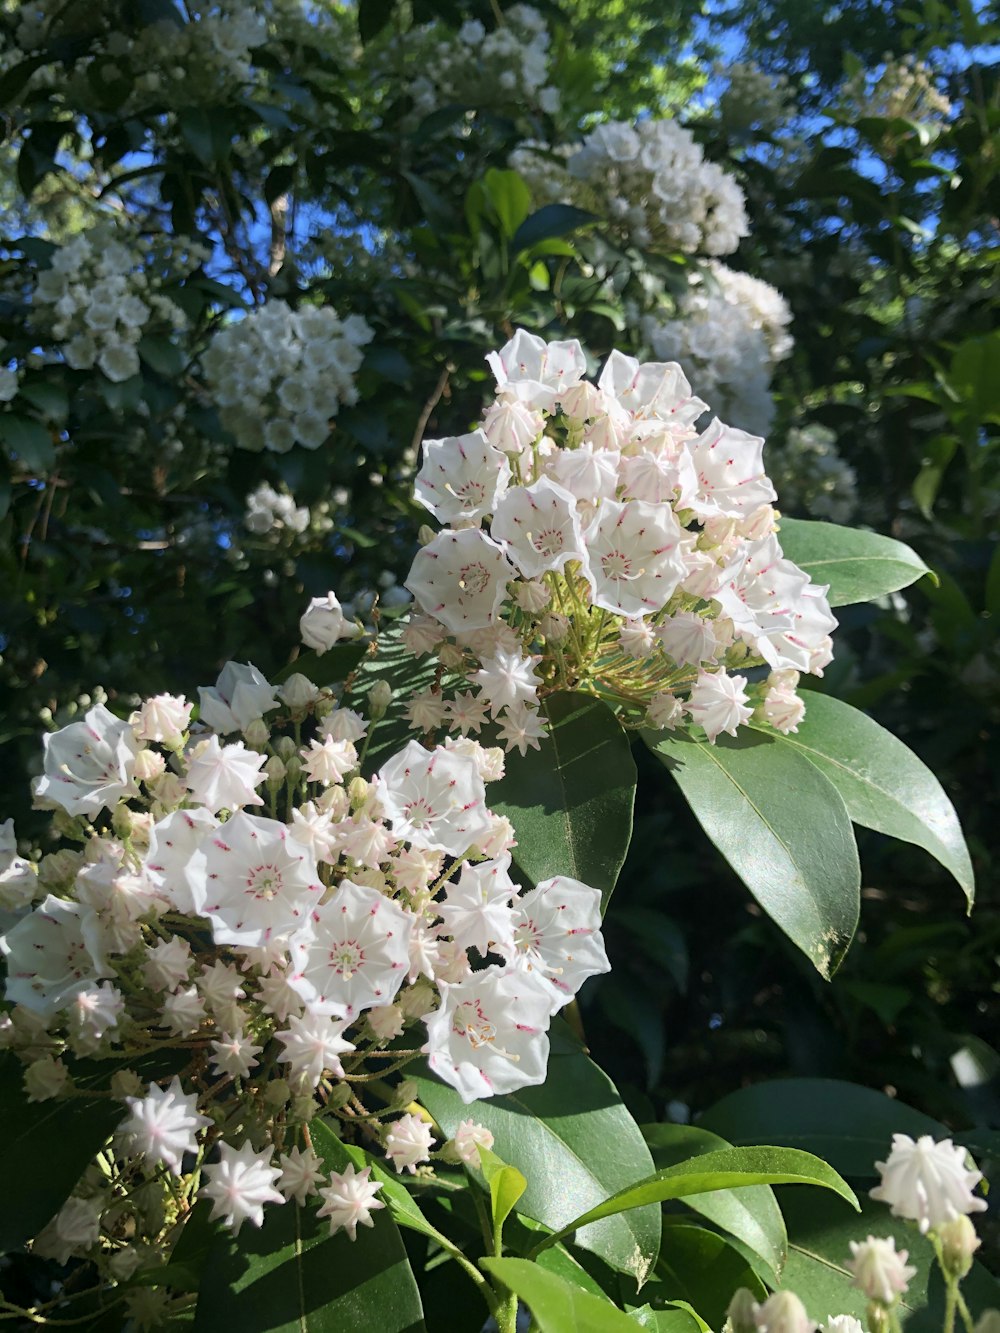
782	826
703	1268
506	1187
571	800
575	1143
389	660
724	1169
549	222
859	566
751	1215
161	355
510	197
329	668
883	783
556	1305
679	1317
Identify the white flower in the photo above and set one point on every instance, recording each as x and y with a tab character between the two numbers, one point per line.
300	1174
462	477
507	678
460	578
782	1312
277	997
688	638
329	761
163	1125
72	1232
490	1034
45	1078
356	954
522	728
89	764
557	935
183	1012
635	557
349	1200
476	911
52	955
536	372
18	878
234	1055
343	724
172	841
434	799
879	1270
730	469
323	623
95	1011
408	1142
718	702
927	1182
665	711
223	777
314	1043
512	426
240	696
239	1185
842	1323
541	527
167	964
164	718
469	1137
254	881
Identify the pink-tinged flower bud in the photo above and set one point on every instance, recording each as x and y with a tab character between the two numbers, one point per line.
880	1271
149	765
782	1312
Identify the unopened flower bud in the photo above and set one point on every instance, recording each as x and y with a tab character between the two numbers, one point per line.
357	792
126	1083
417	1000
45	1079
335	803
149	765
276	1093
339	1096
406	1092
121	821
959	1243
741	1312
988	1322
59	867
425	534
257	734
532	596
782	1312
285	747
451	656
879	1269
274	771
298	692
379	699
124	1263
293	768
554	628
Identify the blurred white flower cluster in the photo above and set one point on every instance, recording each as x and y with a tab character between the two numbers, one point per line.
753	99
474	67
250	931
728	333
626	553
903	89
650	179
811	476
278	375
99	296
275	513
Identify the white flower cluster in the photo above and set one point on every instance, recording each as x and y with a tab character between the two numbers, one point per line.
811	476
275	512
753	99
475	67
278	375
241	897
596	540
728	333
99	297
903	89
651	180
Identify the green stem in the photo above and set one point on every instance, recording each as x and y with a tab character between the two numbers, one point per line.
950	1304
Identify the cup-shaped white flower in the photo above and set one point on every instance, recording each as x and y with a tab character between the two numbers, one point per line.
657	390
356	953
164	718
434	799
730	468
490	1034
254	881
928	1183
163	1125
476	911
460	578
635	561
536	372
239	1185
172	842
89	765
349	1200
53	954
557	935
240	696
462	477
541	527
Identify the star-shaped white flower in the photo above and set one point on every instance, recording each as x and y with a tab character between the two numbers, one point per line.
349	1200
163	1125
240	1184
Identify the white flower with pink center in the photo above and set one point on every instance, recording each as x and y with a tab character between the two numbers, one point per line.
89	765
490	1034
163	1125
536	372
254	881
507	678
511	426
461	579
434	799
635	557
730	468
239	1184
540	526
53	954
313	1045
462	477
719	703
557	935
356	954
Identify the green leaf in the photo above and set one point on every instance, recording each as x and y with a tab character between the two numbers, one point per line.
555	1304
782	826
575	1143
682	1319
161	355
329	668
975	375
703	1268
373	15
571	800
506	1187
884	785
549	222
859	566
28	441
724	1169
751	1215
388	659
510	197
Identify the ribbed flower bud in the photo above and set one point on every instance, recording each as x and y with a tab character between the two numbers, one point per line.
257	734
959	1243
741	1312
357	792
379	699
782	1312
274	771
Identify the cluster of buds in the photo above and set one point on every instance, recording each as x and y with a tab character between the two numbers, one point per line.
596	540
270	937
